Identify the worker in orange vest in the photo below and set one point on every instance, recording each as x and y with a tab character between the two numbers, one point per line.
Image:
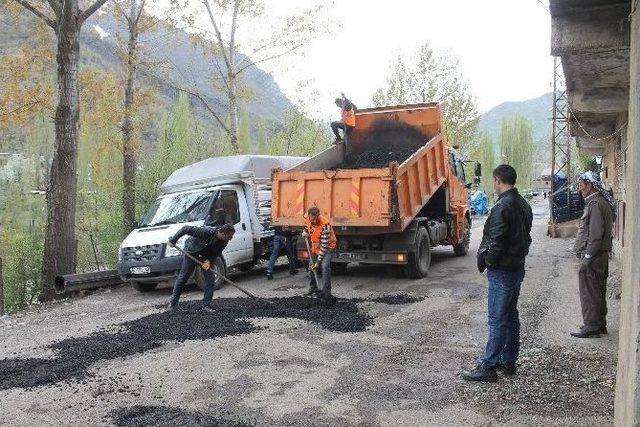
323	245
348	122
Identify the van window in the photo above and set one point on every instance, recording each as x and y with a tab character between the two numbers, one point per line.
178	207
228	202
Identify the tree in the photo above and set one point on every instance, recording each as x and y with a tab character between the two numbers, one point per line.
433	76
137	22
227	17
66	19
486	155
517	147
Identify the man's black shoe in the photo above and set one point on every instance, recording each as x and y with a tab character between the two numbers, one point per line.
313	291
603	330
293	272
172	306
582	333
269	276
480	373
328	300
509	369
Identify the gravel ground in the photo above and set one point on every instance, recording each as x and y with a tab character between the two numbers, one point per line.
389	353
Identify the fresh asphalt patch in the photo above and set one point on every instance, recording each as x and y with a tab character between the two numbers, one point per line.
397	299
163	416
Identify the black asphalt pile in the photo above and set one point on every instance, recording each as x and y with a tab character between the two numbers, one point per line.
74	356
163	416
388	141
397	299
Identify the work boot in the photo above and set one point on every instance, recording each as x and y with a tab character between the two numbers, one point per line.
509	369
172	306
603	330
480	373
584	333
328	299
313	291
269	275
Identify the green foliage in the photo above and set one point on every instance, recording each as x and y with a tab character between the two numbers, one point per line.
299	137
426	76
588	163
517	148
485	154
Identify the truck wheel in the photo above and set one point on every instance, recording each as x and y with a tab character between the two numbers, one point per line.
462	248
420	259
219	266
339	268
247	266
144	287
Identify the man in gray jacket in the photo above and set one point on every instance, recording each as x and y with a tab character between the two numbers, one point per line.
592	246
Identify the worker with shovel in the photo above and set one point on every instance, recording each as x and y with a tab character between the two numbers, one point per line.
323	245
206	243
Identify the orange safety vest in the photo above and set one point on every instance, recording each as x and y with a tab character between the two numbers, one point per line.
349	117
315	231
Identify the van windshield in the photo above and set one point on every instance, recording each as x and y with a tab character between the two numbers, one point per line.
180	207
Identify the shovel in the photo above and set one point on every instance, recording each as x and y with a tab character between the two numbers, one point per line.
206	266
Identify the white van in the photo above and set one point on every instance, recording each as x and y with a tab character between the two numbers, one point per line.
239	186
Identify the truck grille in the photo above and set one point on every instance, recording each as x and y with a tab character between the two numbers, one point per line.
141	253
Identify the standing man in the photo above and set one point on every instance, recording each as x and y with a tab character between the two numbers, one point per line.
205	244
348	112
505	244
592	246
323	245
282	237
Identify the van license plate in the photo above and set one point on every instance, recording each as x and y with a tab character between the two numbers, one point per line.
352	256
140	270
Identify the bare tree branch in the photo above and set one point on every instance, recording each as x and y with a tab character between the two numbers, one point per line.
204	103
218	34
28	106
232	39
258	49
269	58
56	6
90	11
140	11
50	22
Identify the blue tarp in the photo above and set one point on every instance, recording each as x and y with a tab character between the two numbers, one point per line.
479	203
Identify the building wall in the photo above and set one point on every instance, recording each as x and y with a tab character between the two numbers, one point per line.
627	404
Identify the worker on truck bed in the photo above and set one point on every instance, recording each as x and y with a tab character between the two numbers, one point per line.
205	243
348	122
323	245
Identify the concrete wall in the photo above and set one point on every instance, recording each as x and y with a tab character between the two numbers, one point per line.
627	405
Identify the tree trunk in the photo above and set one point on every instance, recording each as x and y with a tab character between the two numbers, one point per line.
128	145
60	243
233	113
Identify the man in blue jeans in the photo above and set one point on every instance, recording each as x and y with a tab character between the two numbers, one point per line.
283	237
505	244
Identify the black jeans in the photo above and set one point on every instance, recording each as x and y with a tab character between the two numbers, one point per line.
340	125
188	265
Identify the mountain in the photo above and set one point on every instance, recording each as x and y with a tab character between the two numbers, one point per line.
179	61
538	110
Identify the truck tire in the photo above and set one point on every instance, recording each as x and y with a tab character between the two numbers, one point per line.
339	268
144	286
462	248
420	258
217	265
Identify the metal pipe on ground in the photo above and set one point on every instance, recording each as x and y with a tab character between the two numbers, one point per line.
86	281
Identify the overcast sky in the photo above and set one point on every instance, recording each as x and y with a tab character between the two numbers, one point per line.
503	47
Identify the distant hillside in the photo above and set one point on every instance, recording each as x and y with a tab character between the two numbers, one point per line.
184	64
538	110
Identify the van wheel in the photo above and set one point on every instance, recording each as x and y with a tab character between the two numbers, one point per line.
144	287
462	248
420	258
339	268
219	266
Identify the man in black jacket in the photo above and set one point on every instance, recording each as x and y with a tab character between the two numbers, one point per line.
505	244
205	243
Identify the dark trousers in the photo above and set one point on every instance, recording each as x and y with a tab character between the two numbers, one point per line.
324	271
592	283
278	243
335	126
188	265
503	344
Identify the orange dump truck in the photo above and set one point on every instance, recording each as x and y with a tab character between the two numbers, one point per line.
399	192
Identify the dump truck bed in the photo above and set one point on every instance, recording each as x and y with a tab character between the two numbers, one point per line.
384	199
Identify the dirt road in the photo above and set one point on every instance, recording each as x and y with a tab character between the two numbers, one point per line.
116	358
